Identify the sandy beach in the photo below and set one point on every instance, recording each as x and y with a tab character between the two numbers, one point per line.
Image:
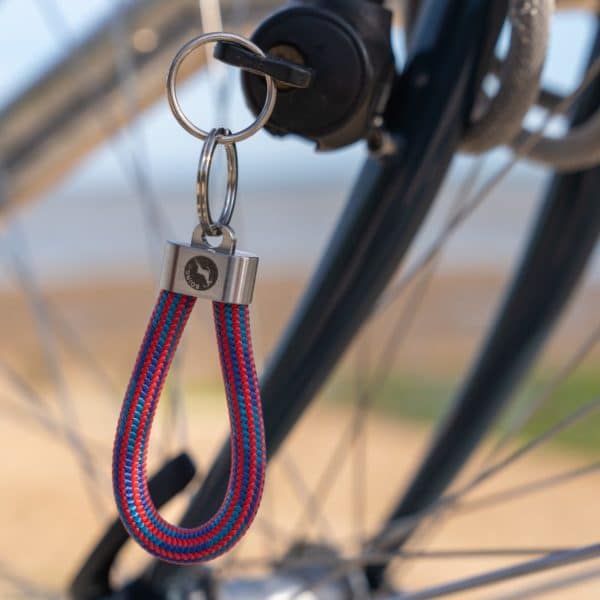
48	523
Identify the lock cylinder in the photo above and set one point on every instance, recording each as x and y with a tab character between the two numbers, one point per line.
347	45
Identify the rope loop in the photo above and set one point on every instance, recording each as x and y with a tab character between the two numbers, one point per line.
248	454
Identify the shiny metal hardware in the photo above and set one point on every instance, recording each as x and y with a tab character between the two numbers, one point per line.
202	202
232	38
220	274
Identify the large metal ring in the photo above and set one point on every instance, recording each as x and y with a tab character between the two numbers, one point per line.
196	131
210	227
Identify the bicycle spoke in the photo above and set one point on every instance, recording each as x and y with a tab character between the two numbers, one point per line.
564	424
518	492
367	397
458	554
330	473
312	501
551	561
37	409
22	386
554	559
426	270
80	351
403	324
359	463
212	20
374	558
14	410
522	420
558	583
155	220
62	330
18	413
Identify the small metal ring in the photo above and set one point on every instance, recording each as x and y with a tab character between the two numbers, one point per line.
270	100
206	157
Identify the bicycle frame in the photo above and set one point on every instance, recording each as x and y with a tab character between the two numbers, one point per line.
561	243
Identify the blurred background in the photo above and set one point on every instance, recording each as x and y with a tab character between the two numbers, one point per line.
80	252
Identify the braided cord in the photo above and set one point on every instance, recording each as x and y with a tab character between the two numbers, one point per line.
248	455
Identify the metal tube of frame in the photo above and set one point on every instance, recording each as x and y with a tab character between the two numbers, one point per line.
430	104
79	103
560	247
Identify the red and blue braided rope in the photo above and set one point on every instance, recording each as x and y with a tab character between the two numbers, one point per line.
248	455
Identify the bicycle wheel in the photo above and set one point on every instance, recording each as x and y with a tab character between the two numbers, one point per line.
336	477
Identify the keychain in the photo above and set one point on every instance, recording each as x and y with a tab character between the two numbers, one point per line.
226	276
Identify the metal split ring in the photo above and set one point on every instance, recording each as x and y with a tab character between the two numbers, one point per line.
209	226
230	138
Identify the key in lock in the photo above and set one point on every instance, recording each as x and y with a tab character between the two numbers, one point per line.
220	274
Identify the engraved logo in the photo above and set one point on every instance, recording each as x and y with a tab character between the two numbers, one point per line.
201	273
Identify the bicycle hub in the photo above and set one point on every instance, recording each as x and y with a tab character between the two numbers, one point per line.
345	49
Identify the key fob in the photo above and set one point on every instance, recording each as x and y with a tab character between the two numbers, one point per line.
221	274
